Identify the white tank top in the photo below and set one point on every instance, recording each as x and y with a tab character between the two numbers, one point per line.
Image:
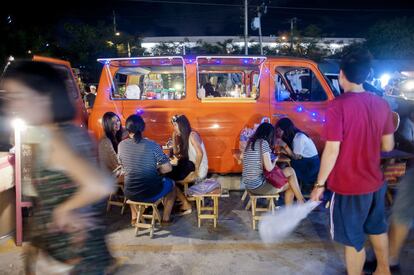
203	170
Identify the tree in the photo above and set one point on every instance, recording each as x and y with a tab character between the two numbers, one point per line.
392	39
83	44
349	48
167	48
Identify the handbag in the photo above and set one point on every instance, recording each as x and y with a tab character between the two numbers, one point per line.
274	177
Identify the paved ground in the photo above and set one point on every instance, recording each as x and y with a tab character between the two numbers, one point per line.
232	248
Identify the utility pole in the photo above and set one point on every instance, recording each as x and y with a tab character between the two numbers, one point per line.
114	21
292	22
246	30
260	33
257	23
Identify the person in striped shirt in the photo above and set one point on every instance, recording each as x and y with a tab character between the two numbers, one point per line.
144	164
255	159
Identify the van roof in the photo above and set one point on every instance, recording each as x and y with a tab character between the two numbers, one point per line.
179	60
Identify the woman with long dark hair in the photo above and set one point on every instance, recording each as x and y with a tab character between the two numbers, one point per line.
188	148
301	149
108	145
256	157
145	164
66	227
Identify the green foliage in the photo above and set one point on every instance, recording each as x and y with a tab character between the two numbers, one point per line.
392	39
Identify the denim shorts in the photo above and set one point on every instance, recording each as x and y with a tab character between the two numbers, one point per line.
355	216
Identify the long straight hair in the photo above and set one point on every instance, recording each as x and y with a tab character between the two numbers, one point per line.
108	126
184	138
266	132
289	130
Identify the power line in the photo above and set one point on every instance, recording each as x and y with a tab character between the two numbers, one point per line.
269	7
185	3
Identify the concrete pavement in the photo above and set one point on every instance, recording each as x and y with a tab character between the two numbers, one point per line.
232	248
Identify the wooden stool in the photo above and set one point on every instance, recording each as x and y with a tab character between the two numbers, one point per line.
185	182
256	210
281	160
208	213
140	208
117	202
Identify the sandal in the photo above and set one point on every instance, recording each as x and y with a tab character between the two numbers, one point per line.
133	222
184	212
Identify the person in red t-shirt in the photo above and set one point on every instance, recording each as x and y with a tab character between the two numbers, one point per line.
358	126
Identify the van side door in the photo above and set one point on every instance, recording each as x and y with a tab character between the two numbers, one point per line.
299	91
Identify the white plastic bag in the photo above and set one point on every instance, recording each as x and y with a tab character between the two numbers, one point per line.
274	228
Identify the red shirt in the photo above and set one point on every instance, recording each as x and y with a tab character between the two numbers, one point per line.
358	121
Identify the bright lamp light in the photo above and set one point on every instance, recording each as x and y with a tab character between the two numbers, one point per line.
178	86
409	85
385	78
18	124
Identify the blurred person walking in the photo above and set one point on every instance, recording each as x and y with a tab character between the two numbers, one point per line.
66	231
401	218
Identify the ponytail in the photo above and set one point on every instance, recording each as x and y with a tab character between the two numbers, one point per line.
135	125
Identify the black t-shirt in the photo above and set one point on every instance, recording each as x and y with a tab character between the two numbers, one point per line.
90	98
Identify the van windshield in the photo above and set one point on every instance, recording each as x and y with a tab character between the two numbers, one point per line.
149	80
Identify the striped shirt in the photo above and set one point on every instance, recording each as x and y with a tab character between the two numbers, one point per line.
252	176
140	162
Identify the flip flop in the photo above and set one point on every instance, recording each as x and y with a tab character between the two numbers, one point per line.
184	212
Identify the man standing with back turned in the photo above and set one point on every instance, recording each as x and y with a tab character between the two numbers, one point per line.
359	126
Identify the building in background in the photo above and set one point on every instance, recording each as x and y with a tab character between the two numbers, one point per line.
183	44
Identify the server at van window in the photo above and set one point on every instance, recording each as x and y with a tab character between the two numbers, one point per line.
301	149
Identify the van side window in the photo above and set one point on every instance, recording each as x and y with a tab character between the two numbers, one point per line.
229	79
221	84
297	84
149	83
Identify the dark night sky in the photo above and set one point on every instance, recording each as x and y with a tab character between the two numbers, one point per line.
146	18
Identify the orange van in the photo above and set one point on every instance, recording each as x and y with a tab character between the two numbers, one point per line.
72	87
219	94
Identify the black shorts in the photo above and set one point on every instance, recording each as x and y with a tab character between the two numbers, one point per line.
181	170
355	216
